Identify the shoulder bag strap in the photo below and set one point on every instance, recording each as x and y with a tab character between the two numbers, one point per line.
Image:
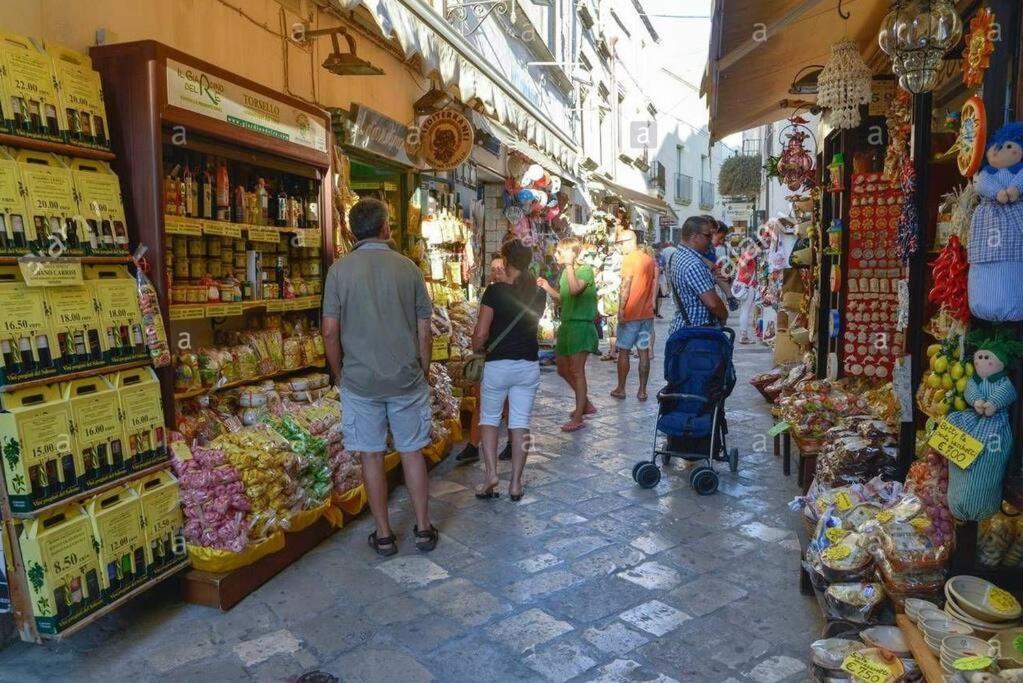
674	293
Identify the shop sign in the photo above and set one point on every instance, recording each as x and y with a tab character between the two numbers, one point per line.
740	211
447	139
667	221
195	90
379	134
881	93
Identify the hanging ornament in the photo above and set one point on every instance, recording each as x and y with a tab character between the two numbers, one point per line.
909	220
979	46
972	141
899	120
844	85
795	166
916	34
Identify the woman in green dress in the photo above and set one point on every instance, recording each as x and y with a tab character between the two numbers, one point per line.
577	332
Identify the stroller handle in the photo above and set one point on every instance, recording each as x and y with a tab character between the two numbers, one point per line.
731	334
662	396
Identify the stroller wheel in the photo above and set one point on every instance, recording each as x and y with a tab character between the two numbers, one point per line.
733	460
648	475
696	470
635	470
704	481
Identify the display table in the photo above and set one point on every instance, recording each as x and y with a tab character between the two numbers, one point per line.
925	659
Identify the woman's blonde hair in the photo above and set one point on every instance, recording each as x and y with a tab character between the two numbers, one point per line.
573	243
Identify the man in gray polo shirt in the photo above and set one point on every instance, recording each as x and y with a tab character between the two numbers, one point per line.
376	314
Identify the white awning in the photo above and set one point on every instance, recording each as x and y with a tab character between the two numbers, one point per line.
420	31
514	142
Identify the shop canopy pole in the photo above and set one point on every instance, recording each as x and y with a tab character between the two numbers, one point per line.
914	346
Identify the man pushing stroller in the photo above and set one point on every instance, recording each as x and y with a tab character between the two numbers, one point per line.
696	298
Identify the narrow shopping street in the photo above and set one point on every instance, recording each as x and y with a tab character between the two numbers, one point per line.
588	578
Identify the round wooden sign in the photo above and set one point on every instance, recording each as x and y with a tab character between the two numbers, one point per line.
972	137
448	139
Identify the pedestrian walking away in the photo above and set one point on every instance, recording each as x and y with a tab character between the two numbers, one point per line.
376	316
636	312
576	335
507	331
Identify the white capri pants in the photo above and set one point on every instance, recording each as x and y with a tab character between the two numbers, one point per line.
514	380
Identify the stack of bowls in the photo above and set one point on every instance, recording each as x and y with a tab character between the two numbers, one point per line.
956	647
969	600
913	606
937	629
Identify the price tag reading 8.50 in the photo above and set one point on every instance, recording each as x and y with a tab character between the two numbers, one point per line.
866	669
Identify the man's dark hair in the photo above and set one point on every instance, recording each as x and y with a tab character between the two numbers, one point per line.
722	228
694	225
368	218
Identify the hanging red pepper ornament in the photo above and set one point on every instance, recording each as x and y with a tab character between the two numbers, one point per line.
951	271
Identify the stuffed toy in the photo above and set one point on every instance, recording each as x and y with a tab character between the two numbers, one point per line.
996	231
975	493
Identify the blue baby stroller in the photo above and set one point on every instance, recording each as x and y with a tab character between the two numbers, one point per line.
691	409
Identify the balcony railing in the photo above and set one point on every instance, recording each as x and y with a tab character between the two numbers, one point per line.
683	189
706	195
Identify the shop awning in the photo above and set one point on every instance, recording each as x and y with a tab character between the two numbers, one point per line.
514	142
757	48
648	201
448	57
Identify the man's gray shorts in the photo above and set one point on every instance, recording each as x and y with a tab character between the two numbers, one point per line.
364	421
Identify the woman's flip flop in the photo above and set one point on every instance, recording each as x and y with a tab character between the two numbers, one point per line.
572	426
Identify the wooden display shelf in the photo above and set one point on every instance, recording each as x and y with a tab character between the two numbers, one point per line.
86	260
71	376
236	308
55	147
192	393
929	665
189	226
107	609
78	497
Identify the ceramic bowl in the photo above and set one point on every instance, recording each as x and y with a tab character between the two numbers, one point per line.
985	629
964	646
913	606
938	629
886	637
1004	645
929	613
971	596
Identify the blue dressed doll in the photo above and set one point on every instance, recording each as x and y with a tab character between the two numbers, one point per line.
996	231
976	492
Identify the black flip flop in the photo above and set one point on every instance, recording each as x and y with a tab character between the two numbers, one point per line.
386	546
488	494
426	540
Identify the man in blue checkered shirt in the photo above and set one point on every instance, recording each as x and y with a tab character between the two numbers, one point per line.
696	294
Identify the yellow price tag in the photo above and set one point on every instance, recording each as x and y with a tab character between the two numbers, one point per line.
274	305
870	670
187	312
974	663
836	552
1002	601
216	310
175	225
835	534
440	347
843	502
955	444
920	523
181	451
263	234
885	516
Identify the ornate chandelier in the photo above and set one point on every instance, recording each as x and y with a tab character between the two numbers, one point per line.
844	85
916	34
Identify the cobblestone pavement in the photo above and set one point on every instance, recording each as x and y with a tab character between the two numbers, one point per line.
588	578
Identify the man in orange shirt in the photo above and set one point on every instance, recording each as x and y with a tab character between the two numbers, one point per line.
635	311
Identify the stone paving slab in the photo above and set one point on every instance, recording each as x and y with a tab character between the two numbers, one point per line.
588	578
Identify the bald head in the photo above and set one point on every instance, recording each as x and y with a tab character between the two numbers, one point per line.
627	241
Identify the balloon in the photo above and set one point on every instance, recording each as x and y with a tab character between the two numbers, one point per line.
534	173
552	213
510	185
507	199
540	197
543	182
555	185
516	166
524	195
514	214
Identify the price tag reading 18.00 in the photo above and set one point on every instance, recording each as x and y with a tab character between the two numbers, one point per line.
869	670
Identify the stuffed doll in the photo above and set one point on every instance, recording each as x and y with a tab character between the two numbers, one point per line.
996	232
976	492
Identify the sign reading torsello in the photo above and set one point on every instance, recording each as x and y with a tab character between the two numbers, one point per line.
447	140
203	93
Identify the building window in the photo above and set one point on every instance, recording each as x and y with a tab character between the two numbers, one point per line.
683	189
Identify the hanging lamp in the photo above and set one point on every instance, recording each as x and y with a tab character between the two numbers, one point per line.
844	85
916	34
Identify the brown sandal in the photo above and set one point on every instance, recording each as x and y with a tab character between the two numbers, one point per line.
426	540
386	546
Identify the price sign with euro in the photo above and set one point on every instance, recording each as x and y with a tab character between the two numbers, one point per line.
955	444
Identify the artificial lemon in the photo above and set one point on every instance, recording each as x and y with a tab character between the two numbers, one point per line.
959	403
969	369
947	382
933	380
933	349
939	364
956	370
961	385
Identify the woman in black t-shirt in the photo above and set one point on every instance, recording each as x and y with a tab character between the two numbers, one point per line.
507	330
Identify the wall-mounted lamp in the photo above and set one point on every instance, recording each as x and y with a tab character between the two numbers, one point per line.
338	62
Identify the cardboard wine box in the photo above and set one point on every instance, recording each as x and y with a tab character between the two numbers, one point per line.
99	203
116	293
40	463
27	349
116	517
138	394
16	231
81	97
96	429
75	326
31	105
161	512
62	568
50	201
